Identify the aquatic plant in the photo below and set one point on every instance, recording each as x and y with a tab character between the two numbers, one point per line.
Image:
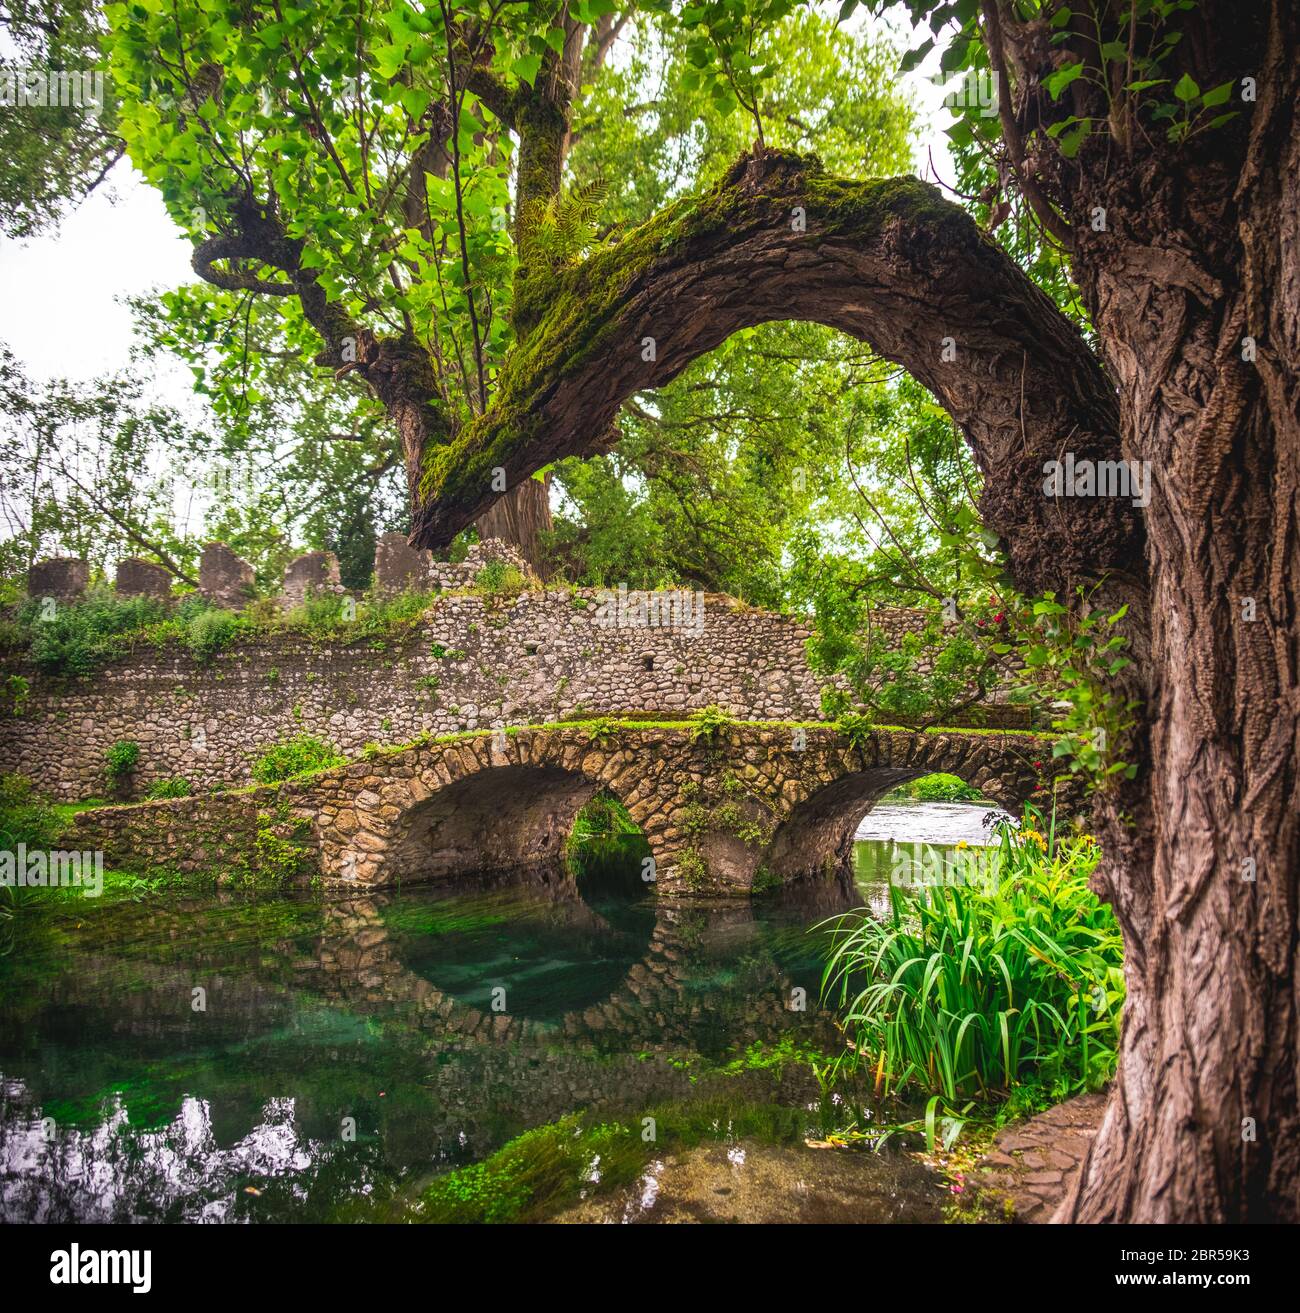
970	992
545	1169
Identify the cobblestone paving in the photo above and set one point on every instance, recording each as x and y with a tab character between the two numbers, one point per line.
1032	1164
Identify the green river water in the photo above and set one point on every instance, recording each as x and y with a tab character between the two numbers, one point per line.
223	1057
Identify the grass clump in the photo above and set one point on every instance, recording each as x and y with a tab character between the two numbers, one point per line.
26	816
500	581
972	993
301	755
175	787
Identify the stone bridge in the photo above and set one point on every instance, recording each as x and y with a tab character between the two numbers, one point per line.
715	809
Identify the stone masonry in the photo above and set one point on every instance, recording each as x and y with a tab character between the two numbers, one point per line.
715	811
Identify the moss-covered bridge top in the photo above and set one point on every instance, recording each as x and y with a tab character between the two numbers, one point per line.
718	803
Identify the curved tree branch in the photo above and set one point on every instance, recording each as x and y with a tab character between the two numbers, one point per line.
890	263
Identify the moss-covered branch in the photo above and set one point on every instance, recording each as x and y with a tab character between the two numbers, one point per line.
889	262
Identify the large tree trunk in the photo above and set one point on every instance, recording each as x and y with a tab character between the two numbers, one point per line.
520	518
1202	1124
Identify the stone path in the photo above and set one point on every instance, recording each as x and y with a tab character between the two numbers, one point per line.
1031	1164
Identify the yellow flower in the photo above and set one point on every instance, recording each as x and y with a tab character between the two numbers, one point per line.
961	843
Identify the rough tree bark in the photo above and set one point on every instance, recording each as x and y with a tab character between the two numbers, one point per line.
1199	254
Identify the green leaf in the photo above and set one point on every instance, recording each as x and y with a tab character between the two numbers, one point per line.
415	101
1071	141
1186	89
389	60
526	68
914	57
1217	95
1056	82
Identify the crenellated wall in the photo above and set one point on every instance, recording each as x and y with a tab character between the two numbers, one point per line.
468	665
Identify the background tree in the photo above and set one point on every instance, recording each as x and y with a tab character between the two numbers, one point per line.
85	471
51	157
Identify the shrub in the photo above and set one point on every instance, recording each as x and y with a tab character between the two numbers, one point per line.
857	728
939	788
692	869
970	991
209	632
16	692
603	731
176	787
120	760
25	816
80	638
498	580
296	756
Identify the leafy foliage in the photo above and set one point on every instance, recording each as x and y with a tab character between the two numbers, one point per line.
300	755
968	990
120	760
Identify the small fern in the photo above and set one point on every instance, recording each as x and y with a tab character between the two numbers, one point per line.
561	230
857	728
707	723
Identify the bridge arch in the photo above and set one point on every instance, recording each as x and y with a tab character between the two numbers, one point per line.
715	812
503	802
815	837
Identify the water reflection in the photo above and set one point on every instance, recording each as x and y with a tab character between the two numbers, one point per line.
225	1058
343	1050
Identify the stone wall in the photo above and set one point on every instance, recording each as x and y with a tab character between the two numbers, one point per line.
472	663
468	665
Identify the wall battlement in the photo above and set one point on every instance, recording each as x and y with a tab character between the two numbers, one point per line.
471	662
